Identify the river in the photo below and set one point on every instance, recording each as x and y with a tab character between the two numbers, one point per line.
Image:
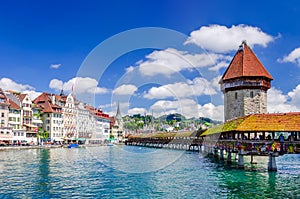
135	172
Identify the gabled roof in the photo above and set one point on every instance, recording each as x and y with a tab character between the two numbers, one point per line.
13	105
3	97
22	96
275	122
44	101
245	64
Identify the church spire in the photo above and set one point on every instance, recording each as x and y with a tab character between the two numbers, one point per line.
62	93
118	115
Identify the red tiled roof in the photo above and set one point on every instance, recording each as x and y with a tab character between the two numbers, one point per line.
21	97
3	97
44	101
245	64
96	112
13	105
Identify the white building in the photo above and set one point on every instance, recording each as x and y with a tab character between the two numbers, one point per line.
69	113
117	126
101	125
6	135
51	114
84	122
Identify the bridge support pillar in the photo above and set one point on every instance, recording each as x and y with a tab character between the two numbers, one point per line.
215	151
221	154
272	163
241	161
229	156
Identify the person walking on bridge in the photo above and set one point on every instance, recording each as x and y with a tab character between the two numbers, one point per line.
281	140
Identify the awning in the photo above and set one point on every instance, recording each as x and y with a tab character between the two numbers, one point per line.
80	139
31	125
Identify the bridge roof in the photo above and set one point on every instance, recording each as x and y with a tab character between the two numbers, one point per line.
276	122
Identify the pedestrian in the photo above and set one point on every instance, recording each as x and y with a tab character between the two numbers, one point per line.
281	140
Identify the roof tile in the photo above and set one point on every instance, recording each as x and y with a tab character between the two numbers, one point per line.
245	64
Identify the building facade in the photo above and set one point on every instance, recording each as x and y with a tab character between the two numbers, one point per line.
69	113
117	126
6	135
51	115
245	84
84	122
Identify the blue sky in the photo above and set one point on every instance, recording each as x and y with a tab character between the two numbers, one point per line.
44	43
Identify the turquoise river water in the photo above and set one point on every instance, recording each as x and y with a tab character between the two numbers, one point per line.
134	172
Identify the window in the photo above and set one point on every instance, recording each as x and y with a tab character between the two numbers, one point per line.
2	114
235	95
251	94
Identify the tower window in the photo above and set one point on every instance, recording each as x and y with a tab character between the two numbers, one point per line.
235	95
251	94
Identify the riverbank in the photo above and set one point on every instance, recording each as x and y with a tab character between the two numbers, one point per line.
3	148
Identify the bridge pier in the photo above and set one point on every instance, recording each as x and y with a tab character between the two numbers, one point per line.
240	161
215	152
272	163
222	154
229	158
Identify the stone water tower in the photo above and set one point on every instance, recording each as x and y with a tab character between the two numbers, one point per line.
245	84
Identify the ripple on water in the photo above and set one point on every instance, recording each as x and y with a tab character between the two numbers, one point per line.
93	173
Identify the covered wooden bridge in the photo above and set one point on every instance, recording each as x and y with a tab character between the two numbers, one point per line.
256	134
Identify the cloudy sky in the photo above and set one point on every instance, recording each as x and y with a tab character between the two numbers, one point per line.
46	46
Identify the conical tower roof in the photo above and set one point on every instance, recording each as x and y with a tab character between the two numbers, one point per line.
245	64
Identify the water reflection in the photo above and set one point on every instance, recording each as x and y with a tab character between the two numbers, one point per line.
90	173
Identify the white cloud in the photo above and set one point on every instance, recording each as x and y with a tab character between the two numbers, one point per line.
56	84
295	96
196	87
212	111
293	57
79	85
169	61
32	94
278	102
222	39
136	110
189	108
55	66
129	69
8	84
218	66
125	89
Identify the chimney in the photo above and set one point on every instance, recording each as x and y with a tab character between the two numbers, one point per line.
53	99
